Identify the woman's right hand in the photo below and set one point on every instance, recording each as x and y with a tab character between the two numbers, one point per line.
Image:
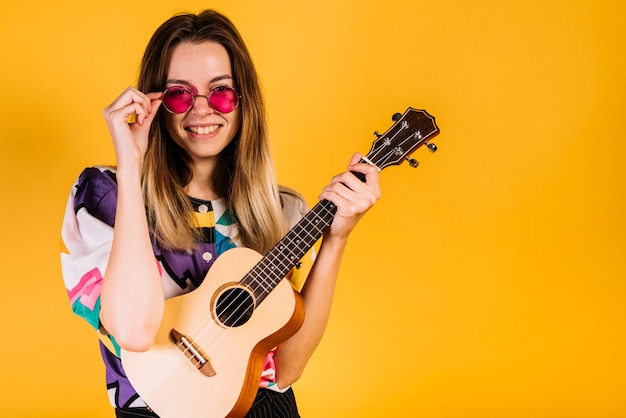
129	118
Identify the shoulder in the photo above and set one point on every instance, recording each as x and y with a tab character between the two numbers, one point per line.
294	205
96	192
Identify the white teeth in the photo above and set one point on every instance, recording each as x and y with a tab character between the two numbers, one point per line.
203	130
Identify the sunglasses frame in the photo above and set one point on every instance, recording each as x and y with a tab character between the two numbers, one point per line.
206	96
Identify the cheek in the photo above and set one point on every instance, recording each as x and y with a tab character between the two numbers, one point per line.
172	122
236	121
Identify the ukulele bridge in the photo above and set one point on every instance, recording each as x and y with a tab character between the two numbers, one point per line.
193	352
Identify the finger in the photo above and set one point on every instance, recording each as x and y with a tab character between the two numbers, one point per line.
359	184
156	99
129	113
348	204
129	97
356	157
132	95
371	174
362	167
369	190
341	193
336	197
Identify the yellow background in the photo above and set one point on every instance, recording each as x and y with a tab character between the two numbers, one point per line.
489	282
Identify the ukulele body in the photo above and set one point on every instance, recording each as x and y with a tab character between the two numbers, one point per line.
171	383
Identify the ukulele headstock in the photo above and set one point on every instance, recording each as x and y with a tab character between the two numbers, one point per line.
410	131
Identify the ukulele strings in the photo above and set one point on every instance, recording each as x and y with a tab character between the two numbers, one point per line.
265	275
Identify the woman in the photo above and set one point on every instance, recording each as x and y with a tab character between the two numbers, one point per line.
193	179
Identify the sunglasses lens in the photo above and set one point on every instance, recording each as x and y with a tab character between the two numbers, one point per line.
224	99
177	99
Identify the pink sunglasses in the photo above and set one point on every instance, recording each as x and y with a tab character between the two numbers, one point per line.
179	99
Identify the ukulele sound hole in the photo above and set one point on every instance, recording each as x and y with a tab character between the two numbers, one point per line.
234	307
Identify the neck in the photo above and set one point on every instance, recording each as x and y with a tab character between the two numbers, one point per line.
201	184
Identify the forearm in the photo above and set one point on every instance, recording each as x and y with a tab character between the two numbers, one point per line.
132	293
353	199
291	356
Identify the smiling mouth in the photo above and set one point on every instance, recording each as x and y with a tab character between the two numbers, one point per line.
203	130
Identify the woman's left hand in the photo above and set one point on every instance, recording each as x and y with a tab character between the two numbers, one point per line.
352	196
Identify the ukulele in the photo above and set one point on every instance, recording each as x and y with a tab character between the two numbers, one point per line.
208	354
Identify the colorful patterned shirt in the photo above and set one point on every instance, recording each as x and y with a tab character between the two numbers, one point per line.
87	235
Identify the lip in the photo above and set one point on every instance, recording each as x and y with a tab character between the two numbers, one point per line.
204	130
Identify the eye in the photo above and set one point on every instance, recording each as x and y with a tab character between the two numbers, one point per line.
177	91
221	89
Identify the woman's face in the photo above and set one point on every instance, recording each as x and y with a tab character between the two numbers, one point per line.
201	131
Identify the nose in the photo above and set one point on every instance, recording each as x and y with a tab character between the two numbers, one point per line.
201	107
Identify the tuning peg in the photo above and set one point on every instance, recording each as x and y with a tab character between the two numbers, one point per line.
412	162
396	117
432	147
377	134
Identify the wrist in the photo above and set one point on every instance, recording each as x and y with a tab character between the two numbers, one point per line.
128	173
334	241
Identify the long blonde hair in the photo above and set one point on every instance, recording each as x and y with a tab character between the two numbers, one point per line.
244	174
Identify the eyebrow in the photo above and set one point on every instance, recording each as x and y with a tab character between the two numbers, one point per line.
213	80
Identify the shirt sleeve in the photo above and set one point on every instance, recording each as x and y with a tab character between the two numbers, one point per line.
86	238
